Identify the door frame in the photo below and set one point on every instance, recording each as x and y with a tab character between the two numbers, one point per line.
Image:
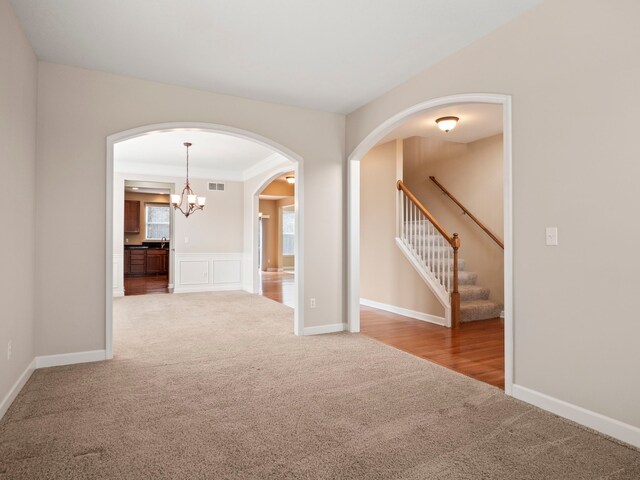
353	161
297	165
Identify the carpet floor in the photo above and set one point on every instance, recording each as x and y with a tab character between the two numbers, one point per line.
216	386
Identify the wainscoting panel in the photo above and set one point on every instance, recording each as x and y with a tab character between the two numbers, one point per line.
118	275
205	272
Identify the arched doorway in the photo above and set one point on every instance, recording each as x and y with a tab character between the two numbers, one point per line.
250	212
354	159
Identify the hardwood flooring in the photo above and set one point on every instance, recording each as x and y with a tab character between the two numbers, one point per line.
278	286
146	284
476	349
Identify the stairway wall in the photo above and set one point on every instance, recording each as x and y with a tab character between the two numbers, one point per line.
386	276
473	173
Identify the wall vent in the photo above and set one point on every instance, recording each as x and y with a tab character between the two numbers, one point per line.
216	186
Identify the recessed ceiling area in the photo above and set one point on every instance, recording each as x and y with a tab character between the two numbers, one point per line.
212	155
331	55
477	120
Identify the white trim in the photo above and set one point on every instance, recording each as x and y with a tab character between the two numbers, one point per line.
296	159
322	329
272	162
378	133
601	423
425	317
15	389
208	288
70	358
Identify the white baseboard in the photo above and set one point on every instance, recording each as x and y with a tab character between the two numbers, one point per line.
15	389
425	317
596	421
70	358
208	288
321	329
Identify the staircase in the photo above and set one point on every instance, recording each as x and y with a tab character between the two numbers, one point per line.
433	252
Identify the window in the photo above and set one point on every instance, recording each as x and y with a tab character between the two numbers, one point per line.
157	221
288	230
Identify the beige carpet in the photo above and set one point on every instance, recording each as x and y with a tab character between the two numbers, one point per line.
215	386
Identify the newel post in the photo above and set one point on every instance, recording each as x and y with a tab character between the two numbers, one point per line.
455	294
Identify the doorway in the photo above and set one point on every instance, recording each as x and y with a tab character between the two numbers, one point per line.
378	135
235	271
148	219
277	239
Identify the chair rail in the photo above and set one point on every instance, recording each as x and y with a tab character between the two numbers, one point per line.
467	212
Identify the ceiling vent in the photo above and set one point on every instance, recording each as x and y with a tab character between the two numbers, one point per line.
216	187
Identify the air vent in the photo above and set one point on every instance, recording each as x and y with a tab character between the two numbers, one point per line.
216	186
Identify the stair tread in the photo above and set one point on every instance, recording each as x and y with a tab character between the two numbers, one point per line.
478	303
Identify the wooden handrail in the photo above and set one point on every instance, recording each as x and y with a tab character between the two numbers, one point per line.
453	240
425	212
467	212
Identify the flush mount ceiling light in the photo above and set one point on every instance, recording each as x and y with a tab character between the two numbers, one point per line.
188	198
290	179
446	124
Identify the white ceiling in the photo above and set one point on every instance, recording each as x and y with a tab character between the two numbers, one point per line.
213	156
331	55
477	120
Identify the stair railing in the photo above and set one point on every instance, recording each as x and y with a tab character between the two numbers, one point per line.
467	212
430	244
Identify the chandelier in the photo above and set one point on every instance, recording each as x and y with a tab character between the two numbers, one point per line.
187	198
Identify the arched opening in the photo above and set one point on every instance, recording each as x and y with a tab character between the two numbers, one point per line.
283	158
354	192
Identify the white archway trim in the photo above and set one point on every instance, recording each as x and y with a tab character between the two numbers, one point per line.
296	159
378	133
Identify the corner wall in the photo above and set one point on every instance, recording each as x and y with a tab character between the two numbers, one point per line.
18	93
570	66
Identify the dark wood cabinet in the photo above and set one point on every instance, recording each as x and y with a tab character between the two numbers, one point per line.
144	261
131	216
156	261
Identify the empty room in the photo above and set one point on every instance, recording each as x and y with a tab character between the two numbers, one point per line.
335	240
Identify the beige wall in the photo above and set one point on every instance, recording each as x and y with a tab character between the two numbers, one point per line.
143	198
472	172
18	93
78	109
386	276
572	68
271	226
279	187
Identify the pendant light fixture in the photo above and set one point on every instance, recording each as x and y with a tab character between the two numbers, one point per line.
188	198
446	124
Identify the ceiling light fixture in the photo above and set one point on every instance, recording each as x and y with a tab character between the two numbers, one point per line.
446	124
290	179
134	188
192	202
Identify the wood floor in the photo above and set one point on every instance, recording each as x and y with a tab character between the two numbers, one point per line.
146	284
476	349
278	286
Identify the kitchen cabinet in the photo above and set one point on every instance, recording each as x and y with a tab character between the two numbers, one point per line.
143	261
156	261
131	216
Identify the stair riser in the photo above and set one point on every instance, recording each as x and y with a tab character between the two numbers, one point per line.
474	294
483	312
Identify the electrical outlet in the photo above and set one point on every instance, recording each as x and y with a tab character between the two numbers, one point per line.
9	348
312	303
186	239
551	236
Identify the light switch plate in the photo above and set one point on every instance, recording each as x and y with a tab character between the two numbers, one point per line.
552	236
